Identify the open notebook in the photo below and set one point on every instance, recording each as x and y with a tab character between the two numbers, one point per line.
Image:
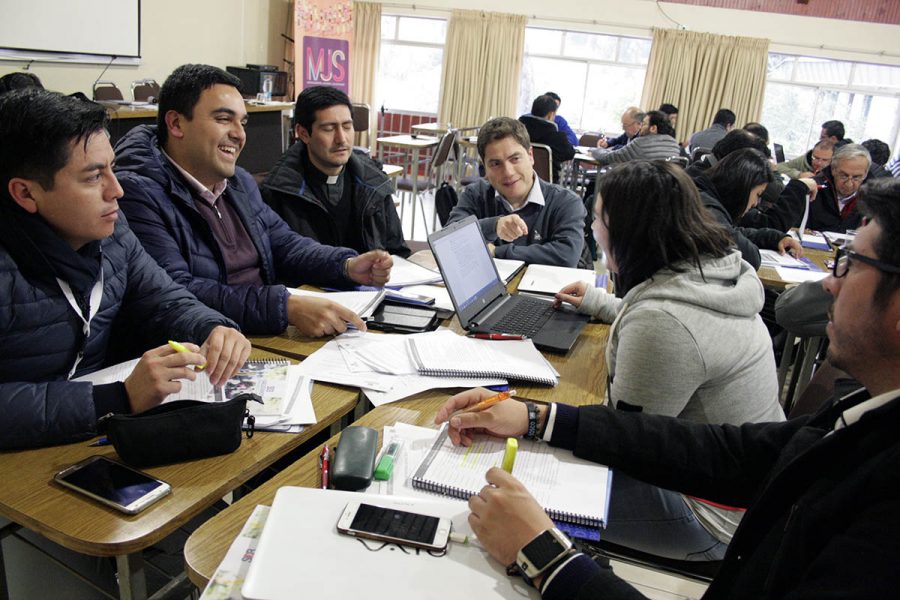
570	489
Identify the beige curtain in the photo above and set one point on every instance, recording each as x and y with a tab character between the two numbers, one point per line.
703	72
482	67
364	62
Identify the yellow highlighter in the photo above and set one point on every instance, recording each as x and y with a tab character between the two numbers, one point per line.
509	456
177	347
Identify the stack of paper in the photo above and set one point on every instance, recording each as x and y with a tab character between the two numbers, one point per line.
771	258
547	279
381	365
405	273
363	303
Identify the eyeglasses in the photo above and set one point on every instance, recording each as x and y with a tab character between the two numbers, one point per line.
843	177
845	255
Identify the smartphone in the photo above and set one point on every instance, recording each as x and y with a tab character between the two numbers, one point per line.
113	484
396	526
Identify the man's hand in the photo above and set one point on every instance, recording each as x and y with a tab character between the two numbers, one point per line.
226	351
511	227
315	317
788	243
371	268
492	249
505	517
572	293
602	143
157	373
812	185
508	418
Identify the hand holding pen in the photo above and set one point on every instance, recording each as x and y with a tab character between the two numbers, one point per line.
480	410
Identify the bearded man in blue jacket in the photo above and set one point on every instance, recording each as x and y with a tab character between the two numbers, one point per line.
71	268
202	217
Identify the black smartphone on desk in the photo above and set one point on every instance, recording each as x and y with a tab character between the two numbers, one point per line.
113	484
403	318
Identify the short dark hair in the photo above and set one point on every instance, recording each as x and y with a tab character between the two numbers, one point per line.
543	106
825	144
759	130
724	117
737	139
878	150
314	99
500	128
661	121
19	80
555	96
656	221
879	200
834	128
37	128
182	89
735	175
669	109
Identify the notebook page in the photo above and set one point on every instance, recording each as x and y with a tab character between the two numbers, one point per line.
547	279
512	358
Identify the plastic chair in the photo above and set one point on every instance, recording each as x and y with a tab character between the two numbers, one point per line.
589	139
143	90
442	155
543	161
360	114
107	91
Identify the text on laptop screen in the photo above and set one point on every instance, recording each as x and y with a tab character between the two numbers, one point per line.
466	264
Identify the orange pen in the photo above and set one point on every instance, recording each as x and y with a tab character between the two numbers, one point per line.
487	402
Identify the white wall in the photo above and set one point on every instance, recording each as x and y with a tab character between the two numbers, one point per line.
866	42
174	32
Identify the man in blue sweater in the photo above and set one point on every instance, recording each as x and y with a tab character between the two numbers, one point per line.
72	269
521	216
203	220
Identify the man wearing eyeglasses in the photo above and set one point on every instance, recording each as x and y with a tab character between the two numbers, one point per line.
632	119
834	208
823	513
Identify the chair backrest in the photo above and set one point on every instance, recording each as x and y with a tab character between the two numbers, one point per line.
681	161
360	114
698	153
543	161
589	139
107	90
444	147
779	153
144	89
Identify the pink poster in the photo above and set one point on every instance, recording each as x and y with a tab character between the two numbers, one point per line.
322	33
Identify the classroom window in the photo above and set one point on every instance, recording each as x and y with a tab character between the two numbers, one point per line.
409	63
803	92
596	75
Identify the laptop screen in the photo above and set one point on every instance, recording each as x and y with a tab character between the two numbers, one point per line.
466	265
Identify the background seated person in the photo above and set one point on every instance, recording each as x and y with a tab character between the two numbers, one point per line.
561	123
880	153
810	163
70	267
834	208
655	141
687	341
723	122
733	187
632	119
326	191
202	218
521	216
542	129
820	485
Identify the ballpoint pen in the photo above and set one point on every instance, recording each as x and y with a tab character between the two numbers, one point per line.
325	464
497	336
177	347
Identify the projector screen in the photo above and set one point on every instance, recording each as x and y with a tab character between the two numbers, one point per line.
93	27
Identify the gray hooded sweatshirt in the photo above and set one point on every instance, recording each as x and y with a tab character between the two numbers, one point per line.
693	347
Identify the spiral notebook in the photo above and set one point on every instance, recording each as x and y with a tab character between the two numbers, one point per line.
570	489
469	357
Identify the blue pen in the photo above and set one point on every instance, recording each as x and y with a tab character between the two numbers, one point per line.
104	441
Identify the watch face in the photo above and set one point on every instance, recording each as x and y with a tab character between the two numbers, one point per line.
543	549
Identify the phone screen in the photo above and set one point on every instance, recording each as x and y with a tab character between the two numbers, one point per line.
395	523
112	481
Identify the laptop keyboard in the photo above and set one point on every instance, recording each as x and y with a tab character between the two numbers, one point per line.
526	317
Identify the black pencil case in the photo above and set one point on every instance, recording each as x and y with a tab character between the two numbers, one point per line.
179	431
354	461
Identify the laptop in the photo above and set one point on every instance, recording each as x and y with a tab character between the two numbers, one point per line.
480	297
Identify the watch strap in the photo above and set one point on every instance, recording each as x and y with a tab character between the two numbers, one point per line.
532	433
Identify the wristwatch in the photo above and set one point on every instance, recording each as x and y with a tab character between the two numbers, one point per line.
543	552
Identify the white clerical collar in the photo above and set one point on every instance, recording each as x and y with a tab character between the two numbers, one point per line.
535	196
853	414
331	179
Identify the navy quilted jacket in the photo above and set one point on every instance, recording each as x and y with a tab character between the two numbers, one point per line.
40	336
162	212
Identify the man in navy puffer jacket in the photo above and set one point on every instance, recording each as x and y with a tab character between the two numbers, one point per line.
203	220
70	268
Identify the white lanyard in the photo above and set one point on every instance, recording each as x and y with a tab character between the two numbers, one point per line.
93	307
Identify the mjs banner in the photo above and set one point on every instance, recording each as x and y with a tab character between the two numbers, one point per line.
322	33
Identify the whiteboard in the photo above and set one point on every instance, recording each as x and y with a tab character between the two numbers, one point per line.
95	27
